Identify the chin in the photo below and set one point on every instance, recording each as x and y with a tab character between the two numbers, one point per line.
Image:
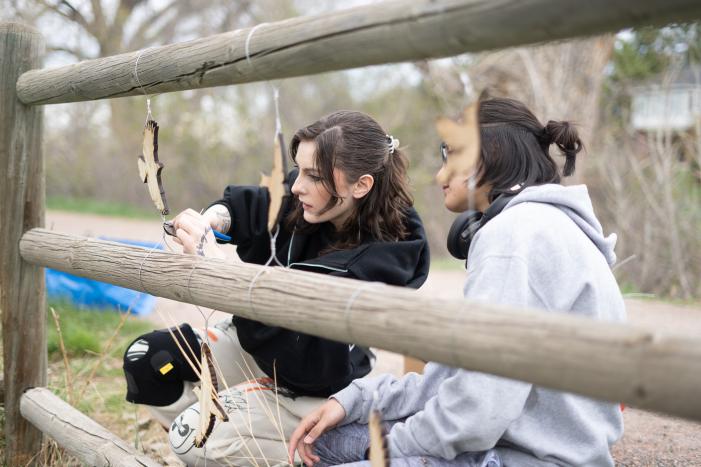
454	206
311	218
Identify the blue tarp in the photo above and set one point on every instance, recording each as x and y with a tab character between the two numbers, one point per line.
88	293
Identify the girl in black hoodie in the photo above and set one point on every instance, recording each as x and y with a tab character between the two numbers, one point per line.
351	216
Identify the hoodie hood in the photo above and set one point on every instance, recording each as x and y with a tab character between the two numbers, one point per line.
403	263
575	202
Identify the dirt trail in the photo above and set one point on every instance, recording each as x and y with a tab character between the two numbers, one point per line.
650	439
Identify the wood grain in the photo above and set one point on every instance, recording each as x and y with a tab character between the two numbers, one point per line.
381	32
77	433
22	292
641	367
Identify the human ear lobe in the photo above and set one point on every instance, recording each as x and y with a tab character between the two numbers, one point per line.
363	186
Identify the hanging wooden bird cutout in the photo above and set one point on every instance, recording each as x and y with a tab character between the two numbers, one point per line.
210	407
276	183
150	168
462	137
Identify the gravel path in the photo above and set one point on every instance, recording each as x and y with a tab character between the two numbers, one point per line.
649	440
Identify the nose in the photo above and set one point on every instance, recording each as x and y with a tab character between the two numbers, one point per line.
297	186
440	177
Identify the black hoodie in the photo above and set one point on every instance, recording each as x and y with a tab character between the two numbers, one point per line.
310	365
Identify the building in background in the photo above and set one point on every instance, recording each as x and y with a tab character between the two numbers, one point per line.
673	104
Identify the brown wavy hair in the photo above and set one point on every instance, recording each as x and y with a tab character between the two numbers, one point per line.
356	144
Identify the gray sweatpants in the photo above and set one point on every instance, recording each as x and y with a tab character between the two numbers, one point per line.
346	446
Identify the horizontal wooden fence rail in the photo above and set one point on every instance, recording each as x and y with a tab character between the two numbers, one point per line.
77	433
382	32
616	362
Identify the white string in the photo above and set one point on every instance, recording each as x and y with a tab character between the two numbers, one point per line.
157	246
273	257
248	41
149	116
141	266
206	319
212	310
278	130
349	305
276	100
273	237
275	89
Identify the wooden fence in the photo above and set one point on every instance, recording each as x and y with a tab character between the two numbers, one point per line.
608	361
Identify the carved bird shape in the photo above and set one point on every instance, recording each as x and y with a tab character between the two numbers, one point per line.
210	407
150	168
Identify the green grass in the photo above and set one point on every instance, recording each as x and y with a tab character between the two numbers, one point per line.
94	383
447	263
630	290
86	331
103	208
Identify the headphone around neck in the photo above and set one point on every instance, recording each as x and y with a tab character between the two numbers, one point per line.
466	225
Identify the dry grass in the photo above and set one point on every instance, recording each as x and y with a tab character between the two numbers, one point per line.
92	381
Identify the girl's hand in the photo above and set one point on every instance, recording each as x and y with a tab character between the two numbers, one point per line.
311	427
194	233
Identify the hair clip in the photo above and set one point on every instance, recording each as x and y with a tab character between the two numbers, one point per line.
393	143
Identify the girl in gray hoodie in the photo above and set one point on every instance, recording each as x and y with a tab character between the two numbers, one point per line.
539	245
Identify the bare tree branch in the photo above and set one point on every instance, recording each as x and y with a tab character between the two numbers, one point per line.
72	14
98	14
244	6
138	39
76	52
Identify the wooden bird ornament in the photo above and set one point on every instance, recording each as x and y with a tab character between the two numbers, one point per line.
462	137
210	407
276	183
150	168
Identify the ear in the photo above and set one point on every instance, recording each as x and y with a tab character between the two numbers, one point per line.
363	186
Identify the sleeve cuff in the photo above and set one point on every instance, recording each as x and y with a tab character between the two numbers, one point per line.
351	399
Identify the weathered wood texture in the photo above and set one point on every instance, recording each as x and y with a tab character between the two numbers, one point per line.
77	433
387	32
22	298
641	367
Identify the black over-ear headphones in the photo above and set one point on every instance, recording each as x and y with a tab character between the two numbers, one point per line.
466	225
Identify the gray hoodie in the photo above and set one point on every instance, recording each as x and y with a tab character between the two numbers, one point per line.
545	250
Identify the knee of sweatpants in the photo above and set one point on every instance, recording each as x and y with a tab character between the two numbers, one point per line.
343	445
181	435
156	369
228	444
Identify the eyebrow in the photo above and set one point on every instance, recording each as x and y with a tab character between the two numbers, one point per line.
312	170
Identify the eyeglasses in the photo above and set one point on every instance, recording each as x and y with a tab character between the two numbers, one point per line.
444	152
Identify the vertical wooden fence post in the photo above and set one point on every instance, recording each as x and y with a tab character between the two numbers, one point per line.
22	288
